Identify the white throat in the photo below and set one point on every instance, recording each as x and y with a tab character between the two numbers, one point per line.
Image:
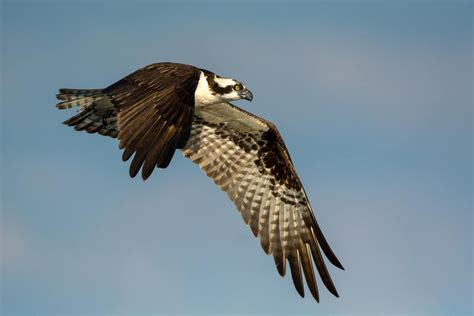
203	94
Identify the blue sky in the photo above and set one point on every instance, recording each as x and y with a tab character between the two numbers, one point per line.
374	100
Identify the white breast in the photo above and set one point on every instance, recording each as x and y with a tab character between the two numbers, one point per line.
203	95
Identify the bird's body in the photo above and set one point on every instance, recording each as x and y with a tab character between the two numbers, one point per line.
167	106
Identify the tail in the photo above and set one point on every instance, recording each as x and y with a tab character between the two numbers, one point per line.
96	113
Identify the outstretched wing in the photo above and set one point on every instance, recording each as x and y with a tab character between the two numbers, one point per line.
155	111
246	157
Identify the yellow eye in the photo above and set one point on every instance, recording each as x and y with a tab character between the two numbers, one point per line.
238	87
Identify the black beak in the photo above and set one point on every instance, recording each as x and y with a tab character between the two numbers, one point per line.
246	94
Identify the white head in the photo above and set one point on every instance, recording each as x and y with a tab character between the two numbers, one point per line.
214	89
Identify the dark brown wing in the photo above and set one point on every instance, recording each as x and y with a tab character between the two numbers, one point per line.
155	110
246	157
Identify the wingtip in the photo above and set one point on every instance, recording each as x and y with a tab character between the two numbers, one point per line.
338	264
127	154
300	292
281	266
316	299
145	176
132	172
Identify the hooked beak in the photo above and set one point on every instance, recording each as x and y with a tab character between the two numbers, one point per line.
246	94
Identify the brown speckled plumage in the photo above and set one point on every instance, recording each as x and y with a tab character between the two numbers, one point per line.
152	112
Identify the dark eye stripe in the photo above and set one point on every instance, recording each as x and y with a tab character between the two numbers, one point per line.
222	90
215	87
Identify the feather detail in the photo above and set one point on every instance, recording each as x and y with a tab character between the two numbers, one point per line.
245	155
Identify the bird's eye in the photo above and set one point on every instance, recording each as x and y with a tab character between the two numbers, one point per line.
238	87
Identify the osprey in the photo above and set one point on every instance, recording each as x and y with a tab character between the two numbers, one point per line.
167	106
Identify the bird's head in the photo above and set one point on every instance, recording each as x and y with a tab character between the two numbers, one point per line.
230	89
214	89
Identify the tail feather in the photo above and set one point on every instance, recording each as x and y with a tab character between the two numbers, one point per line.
79	102
71	94
95	113
77	97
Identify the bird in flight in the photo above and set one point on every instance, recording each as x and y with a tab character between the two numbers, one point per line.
167	106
